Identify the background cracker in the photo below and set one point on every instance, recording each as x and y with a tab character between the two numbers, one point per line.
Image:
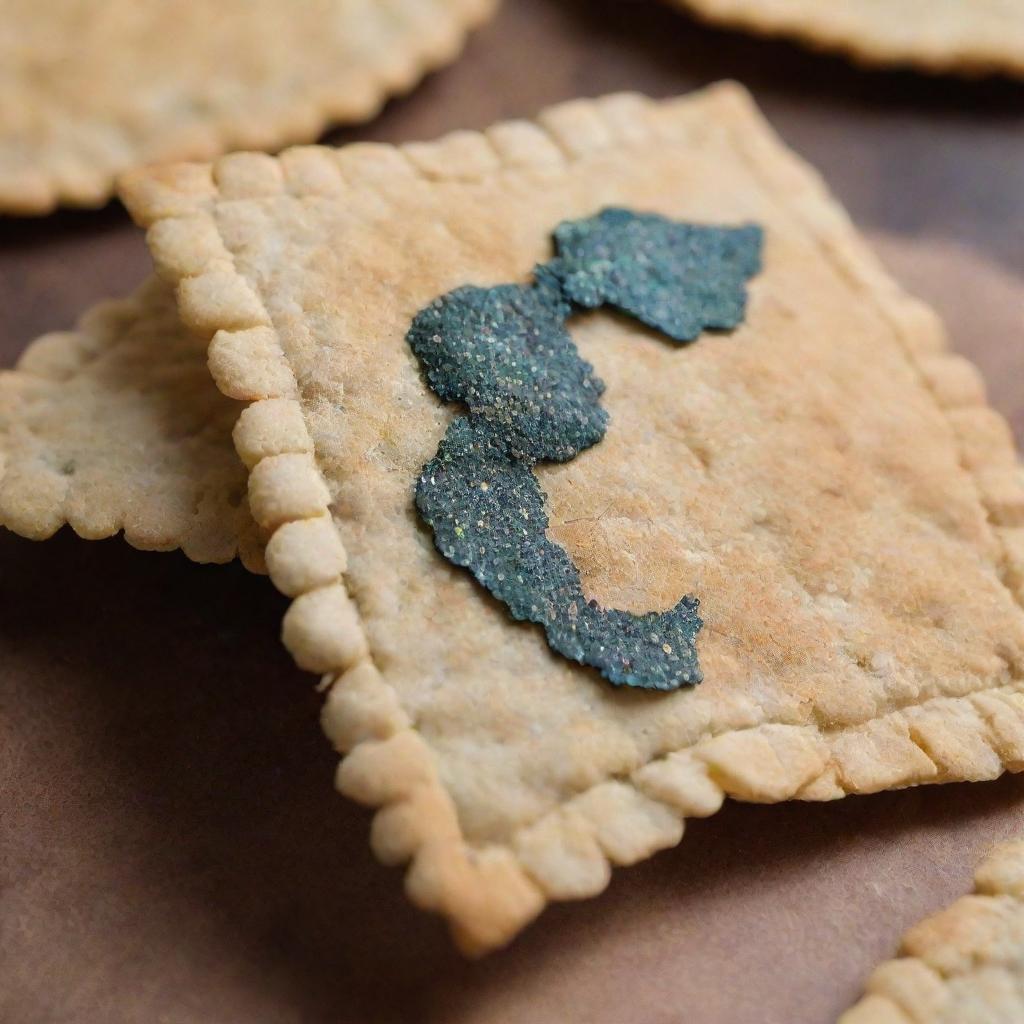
116	425
89	88
972	37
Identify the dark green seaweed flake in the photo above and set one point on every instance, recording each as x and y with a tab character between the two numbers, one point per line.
486	509
504	352
680	279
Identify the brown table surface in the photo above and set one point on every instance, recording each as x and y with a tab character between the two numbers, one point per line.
171	849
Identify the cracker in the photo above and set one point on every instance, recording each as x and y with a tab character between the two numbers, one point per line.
972	37
116	425
90	88
826	479
965	964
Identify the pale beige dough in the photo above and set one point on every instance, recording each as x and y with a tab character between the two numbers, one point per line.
117	425
965	965
90	415
89	88
964	36
150	363
827	479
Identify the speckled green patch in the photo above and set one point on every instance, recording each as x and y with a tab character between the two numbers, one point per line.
487	512
506	354
680	279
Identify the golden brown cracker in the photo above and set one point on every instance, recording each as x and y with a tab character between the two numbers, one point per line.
90	88
817	478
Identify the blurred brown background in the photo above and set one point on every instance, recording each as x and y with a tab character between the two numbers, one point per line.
170	846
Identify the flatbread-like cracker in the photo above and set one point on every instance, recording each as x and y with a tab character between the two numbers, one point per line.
827	479
89	88
116	425
972	37
965	965
146	351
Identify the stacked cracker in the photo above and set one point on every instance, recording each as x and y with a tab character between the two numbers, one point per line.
116	426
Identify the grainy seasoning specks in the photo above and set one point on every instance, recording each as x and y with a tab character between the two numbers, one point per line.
828	478
505	353
680	279
487	513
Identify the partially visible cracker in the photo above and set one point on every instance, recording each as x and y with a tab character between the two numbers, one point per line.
116	425
971	37
827	479
90	88
965	965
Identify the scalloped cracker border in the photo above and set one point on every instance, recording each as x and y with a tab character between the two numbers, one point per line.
415	54
490	892
820	26
966	958
36	500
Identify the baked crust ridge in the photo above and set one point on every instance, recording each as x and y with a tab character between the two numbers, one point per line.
491	890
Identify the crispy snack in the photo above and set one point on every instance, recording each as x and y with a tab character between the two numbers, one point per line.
971	37
965	964
117	426
89	88
156	358
145	346
826	478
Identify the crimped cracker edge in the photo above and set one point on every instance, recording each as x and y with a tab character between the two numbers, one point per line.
941	948
39	194
820	33
868	52
49	357
490	892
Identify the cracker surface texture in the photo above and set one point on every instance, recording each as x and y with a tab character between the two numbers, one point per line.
90	88
115	426
972	37
965	965
827	477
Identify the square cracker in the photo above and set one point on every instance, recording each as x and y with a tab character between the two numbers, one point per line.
964	964
826	479
109	397
91	423
116	425
972	37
